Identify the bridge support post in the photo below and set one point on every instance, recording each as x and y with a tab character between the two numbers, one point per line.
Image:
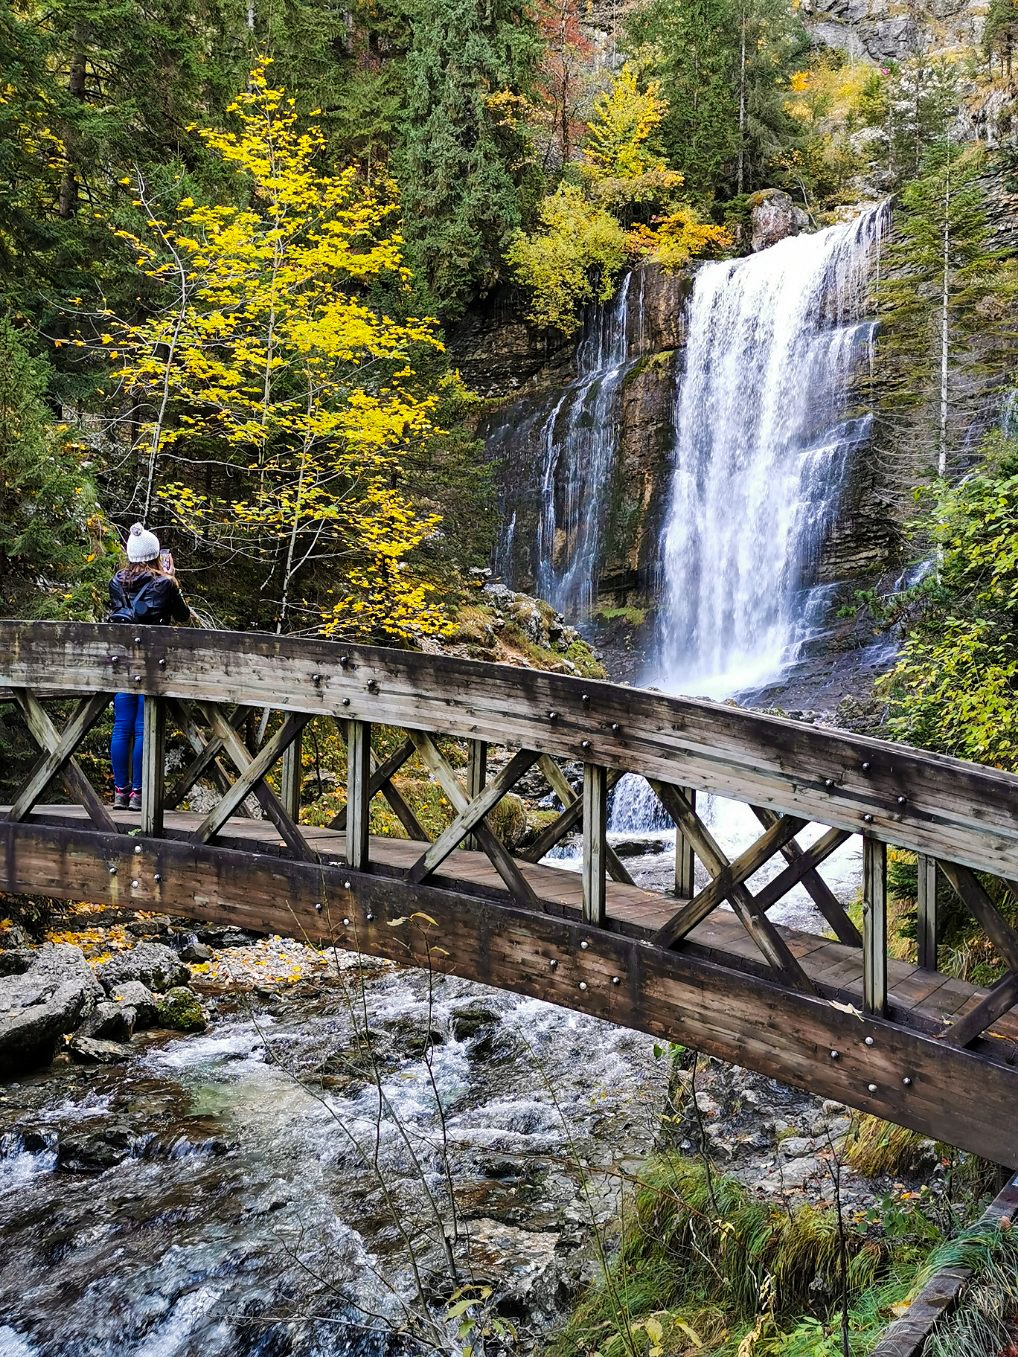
289	779
595	842
685	887
358	799
874	926
927	920
153	767
477	777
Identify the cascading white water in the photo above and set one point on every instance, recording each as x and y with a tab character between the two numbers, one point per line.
577	437
763	440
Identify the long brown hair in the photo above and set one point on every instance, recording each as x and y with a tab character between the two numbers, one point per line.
134	570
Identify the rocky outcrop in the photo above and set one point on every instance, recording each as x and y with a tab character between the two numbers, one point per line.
773	217
44	994
155	966
891	30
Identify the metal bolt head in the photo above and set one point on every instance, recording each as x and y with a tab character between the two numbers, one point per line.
157	876
616	980
346	702
872	1088
585	699
372	685
868	1041
316	678
344	661
835	1055
346	885
318	906
137	640
370	918
615	727
902	800
346	923
113	871
867	766
135	885
162	664
584	944
868	819
907	1081
553	716
553	965
828	781
584	744
137	678
583	984
137	849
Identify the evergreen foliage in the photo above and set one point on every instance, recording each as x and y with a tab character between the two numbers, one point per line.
53	561
465	164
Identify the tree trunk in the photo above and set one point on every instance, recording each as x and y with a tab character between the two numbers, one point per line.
68	200
945	284
741	175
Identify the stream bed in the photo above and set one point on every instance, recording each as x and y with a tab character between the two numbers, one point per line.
255	1190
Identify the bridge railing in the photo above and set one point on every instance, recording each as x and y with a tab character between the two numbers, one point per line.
960	819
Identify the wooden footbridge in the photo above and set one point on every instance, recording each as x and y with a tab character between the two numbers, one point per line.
827	1011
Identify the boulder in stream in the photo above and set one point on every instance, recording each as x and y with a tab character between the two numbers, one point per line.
180	1008
774	216
46	993
96	1051
154	965
137	998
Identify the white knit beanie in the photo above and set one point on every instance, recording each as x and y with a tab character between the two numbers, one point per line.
141	545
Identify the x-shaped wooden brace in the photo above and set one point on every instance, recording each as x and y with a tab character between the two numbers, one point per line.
206	761
567	821
381	781
559	784
728	883
57	758
803	864
470	819
251	771
1004	994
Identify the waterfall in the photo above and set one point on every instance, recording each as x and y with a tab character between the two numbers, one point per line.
577	437
764	435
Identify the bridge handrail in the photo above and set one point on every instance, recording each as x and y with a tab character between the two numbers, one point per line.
892	793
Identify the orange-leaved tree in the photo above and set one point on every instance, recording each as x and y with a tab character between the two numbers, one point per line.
273	398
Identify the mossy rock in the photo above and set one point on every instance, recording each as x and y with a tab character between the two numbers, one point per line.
180	1009
508	820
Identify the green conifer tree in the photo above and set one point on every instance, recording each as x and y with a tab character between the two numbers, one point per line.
465	161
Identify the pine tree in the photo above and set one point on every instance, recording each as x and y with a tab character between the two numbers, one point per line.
51	531
1000	33
465	161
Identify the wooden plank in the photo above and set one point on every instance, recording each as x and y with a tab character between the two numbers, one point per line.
46	736
927	927
153	767
358	794
477	777
821	894
874	926
685	857
595	834
494	849
676	996
728	878
52	760
1002	997
472	814
290	778
381	781
974	897
756	923
924	802
206	761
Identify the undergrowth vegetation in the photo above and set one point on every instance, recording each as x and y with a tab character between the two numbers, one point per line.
703	1266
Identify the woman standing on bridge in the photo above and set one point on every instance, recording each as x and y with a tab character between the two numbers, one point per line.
144	591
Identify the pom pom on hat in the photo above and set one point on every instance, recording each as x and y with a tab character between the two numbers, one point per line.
142	545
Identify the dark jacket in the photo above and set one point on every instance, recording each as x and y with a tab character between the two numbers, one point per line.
149	598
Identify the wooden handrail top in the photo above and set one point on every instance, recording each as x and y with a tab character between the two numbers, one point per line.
932	804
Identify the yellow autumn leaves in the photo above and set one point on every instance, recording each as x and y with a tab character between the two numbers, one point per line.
274	398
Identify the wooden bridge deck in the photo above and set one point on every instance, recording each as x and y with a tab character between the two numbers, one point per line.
706	965
926	1000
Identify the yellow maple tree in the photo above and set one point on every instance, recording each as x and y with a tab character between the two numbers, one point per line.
274	368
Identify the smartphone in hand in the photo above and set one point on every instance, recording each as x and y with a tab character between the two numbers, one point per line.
166	561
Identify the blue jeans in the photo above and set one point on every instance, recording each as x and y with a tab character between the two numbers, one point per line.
128	731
